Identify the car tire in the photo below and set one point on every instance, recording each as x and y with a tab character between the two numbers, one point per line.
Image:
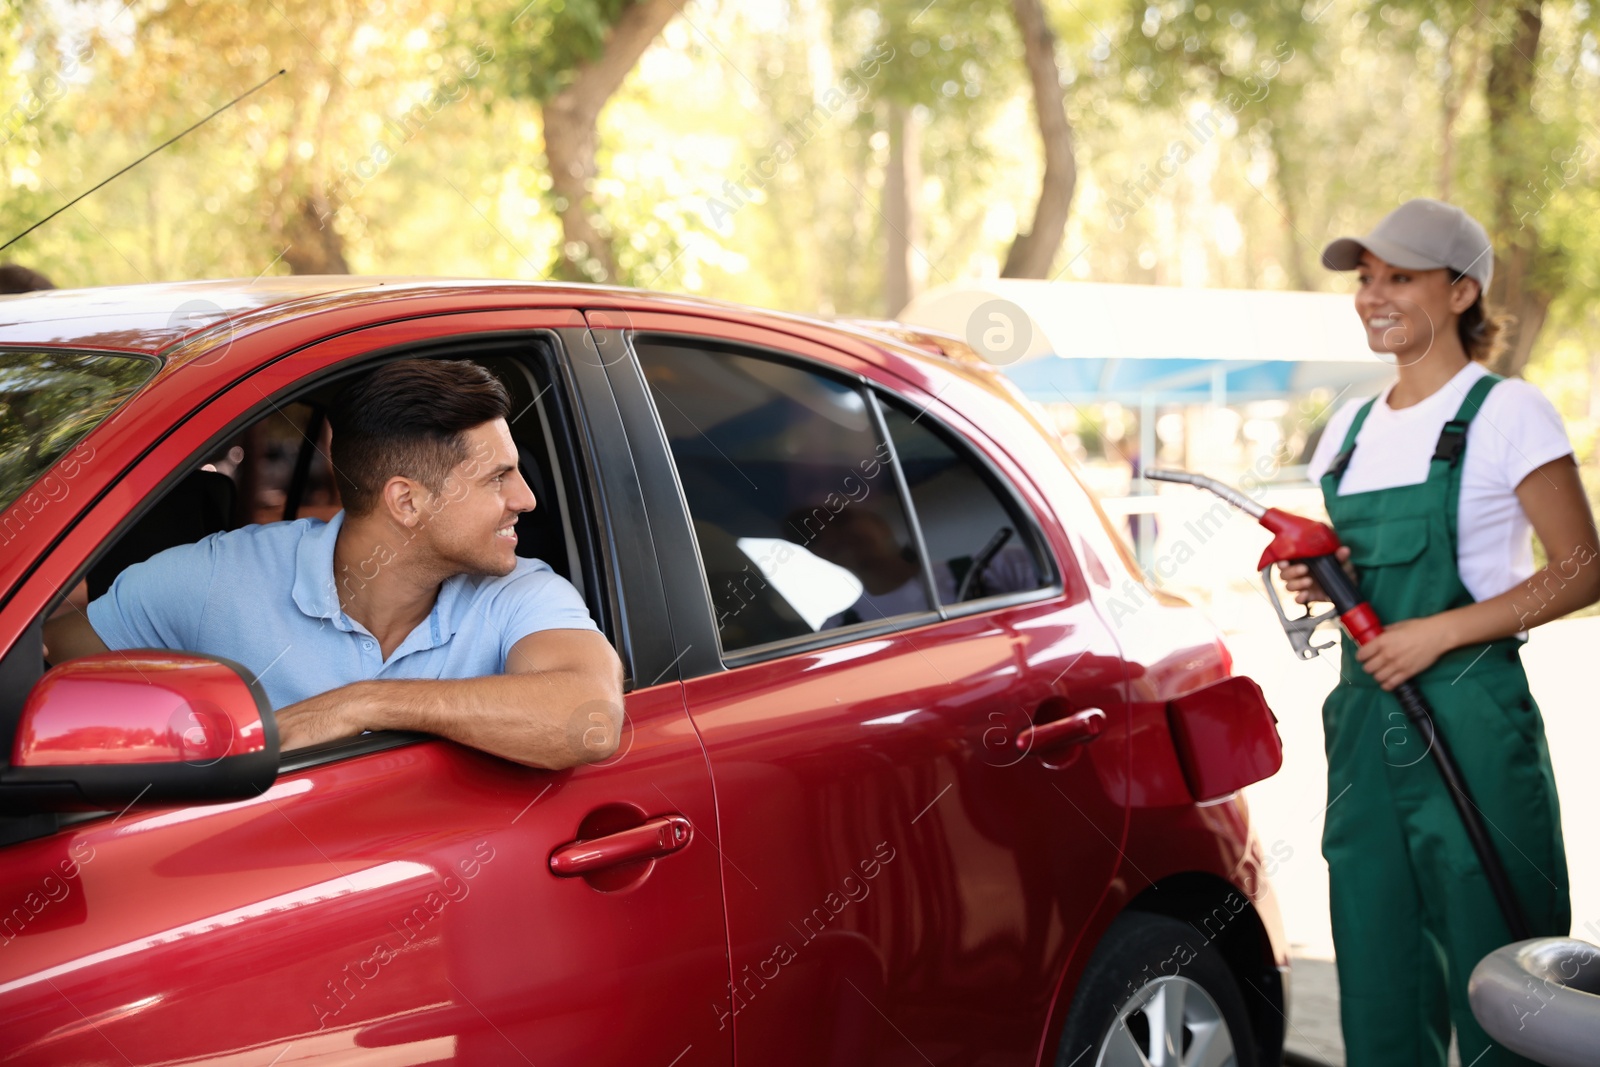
1156	994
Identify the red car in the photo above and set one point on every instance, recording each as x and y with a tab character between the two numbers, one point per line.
904	777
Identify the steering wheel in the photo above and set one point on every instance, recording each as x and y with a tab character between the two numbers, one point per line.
981	561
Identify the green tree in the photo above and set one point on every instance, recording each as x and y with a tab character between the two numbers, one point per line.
1515	97
273	183
1249	64
572	57
43	68
1035	249
936	85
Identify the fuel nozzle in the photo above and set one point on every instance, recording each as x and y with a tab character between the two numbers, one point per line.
1222	489
1294	538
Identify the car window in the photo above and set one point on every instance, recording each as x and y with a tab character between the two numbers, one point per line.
800	524
977	542
280	464
247	479
278	468
51	400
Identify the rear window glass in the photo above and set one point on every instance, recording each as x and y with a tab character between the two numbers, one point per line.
49	401
978	546
800	525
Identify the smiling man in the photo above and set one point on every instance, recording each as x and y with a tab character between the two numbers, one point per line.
410	609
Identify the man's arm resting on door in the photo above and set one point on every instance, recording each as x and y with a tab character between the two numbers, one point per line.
69	635
558	705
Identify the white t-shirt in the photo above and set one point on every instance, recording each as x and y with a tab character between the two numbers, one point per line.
1516	431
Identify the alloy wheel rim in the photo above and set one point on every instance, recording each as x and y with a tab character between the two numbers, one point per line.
1171	1022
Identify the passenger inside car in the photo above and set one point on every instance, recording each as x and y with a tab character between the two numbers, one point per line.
408	609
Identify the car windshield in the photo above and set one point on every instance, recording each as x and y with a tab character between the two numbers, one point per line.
50	400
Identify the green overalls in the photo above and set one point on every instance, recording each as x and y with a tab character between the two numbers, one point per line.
1412	910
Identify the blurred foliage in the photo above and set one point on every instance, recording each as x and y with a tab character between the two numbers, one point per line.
944	53
1219	142
543	41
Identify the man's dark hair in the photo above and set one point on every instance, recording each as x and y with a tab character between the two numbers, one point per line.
409	418
15	278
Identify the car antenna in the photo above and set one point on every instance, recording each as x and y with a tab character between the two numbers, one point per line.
138	161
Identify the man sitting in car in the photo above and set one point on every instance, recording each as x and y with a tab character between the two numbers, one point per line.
410	609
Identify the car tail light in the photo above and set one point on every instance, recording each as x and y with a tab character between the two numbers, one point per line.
1227	656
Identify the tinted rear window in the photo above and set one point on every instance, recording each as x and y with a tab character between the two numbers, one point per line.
977	545
49	401
800	525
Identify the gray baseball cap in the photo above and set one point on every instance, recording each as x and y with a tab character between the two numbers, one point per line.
1421	234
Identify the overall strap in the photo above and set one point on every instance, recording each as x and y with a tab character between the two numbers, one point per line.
1347	449
1452	444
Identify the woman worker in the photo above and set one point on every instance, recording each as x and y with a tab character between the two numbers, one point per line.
1433	486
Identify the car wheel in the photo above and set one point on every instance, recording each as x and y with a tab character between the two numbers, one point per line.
1156	994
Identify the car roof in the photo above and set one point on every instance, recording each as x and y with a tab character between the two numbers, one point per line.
177	322
154	317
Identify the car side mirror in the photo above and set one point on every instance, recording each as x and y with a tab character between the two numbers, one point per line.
141	726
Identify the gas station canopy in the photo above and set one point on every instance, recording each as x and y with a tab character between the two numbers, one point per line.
1144	345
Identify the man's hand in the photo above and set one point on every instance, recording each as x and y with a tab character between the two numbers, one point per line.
325	717
1405	649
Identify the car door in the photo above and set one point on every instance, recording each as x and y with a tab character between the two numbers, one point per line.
392	899
903	882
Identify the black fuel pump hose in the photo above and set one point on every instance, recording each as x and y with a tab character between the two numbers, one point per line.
1341	589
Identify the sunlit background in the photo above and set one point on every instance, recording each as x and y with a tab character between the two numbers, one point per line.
851	159
833	158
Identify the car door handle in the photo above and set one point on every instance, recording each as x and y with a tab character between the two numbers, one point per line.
1075	729
657	837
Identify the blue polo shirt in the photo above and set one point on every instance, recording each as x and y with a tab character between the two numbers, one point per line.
264	597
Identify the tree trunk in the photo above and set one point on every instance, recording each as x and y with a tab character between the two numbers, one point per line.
571	136
1033	252
1516	287
900	186
1453	94
1288	180
315	247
